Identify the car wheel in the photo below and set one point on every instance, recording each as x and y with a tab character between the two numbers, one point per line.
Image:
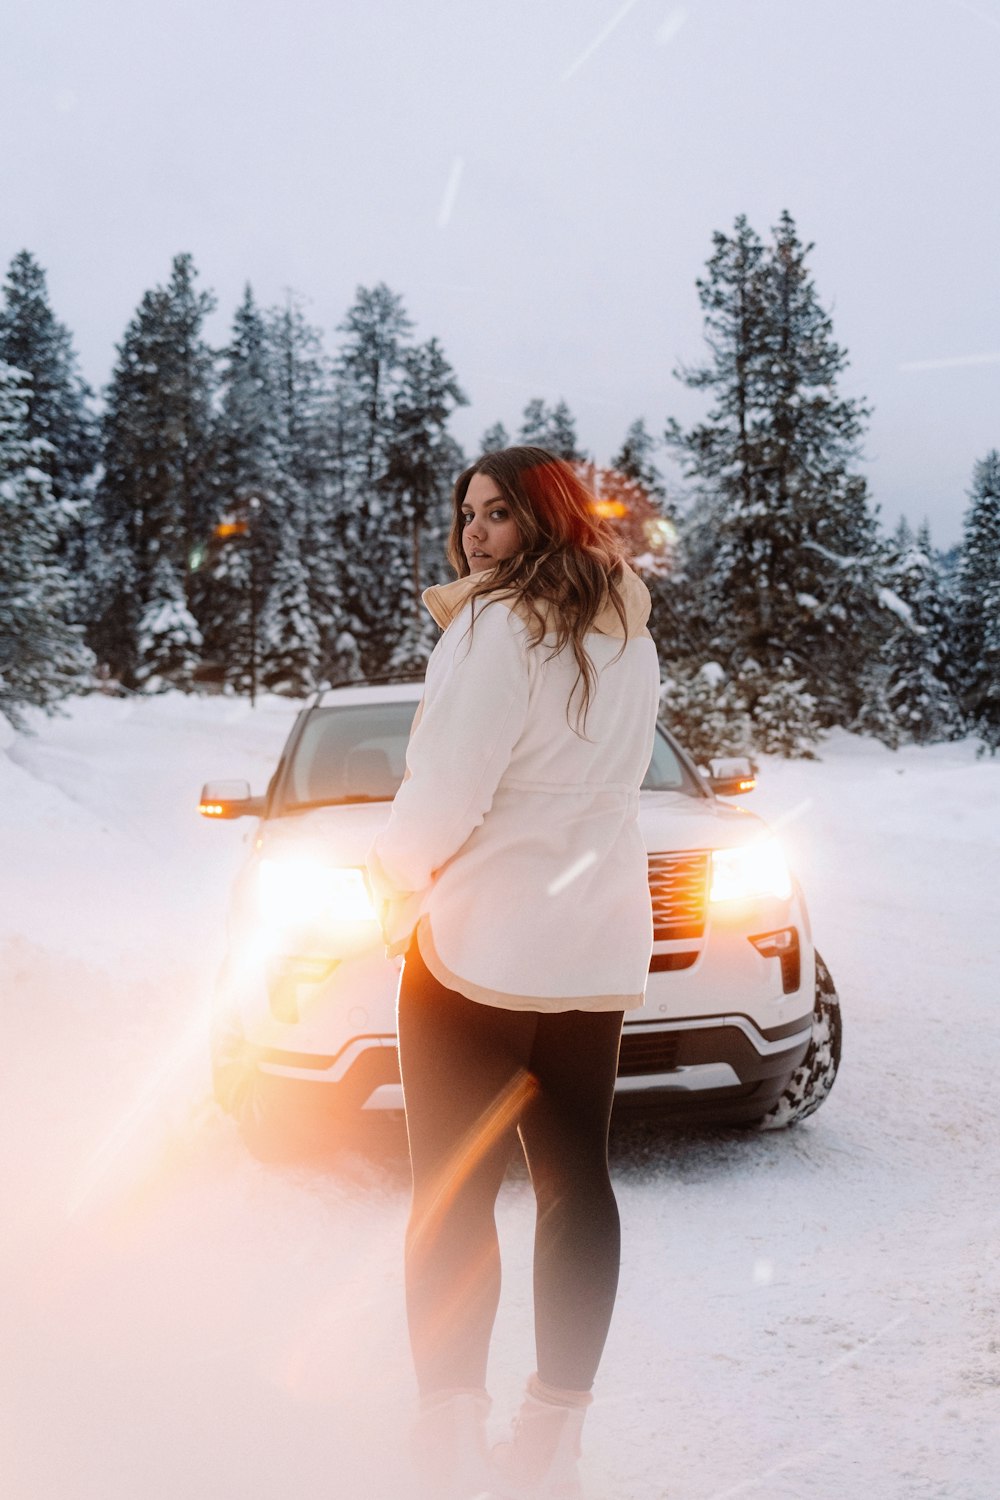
813	1078
236	1079
276	1121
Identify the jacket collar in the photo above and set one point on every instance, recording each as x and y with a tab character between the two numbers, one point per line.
445	600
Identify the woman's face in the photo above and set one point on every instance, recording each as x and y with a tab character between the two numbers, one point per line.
489	532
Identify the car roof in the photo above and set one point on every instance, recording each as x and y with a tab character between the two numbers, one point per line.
383	692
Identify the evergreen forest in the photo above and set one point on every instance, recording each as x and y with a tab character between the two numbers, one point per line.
262	517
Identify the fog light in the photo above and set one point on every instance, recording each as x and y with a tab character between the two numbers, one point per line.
291	984
773	944
783	945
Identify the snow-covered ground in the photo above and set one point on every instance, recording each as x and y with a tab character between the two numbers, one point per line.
812	1313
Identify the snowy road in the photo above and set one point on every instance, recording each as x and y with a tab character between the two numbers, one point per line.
808	1314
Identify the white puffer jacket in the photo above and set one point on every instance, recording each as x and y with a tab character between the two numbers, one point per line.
513	846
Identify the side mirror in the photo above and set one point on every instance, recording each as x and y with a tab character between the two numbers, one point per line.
229	799
730	775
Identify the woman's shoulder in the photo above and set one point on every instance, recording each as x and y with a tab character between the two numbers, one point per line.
447	601
444	601
633	596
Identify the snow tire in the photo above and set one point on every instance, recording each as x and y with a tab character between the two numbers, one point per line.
814	1077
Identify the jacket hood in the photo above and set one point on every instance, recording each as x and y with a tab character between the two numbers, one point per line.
445	600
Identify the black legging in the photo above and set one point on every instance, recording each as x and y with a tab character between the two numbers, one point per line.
474	1077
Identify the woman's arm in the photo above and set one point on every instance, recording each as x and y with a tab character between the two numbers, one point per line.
472	714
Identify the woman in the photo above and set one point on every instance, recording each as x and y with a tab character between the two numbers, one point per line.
512	875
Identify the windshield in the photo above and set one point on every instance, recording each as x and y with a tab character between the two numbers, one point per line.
667	772
357	753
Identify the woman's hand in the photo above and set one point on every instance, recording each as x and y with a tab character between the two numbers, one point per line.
395	911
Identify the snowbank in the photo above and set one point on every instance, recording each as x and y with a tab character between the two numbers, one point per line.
807	1314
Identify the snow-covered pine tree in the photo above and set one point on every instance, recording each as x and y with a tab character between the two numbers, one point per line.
916	685
422	460
187	383
301	392
635	461
318	442
42	656
651	529
690	620
290	654
493	439
376	329
783	718
157	493
705	708
169	639
945	617
784	546
978	602
59	421
252	486
877	712
369	371
332	569
551	427
631	494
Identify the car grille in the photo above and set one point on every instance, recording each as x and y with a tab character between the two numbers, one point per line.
678	885
656	1052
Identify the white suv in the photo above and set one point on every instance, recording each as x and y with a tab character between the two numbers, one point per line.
741	1023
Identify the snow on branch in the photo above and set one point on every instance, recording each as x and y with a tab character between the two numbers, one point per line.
890	600
834	557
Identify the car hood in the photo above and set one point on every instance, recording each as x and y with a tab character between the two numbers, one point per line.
343	835
668	820
673	820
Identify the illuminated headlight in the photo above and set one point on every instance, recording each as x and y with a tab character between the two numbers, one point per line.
302	892
750	872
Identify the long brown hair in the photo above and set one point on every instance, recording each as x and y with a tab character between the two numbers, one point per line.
569	559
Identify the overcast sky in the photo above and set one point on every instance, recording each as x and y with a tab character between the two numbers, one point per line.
540	180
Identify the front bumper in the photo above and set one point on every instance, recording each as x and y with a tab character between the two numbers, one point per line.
687	1052
712	1067
719	1068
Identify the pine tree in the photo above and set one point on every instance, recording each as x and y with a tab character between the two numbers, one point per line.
552	428
634	461
915	684
335	563
157	495
631	497
238	564
782	710
978	604
186	387
290	657
877	714
169	640
705	708
783	545
493	439
42	657
58	422
421	462
318	435
376	328
370	370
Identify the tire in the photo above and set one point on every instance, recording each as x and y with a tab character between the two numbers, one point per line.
236	1079
814	1077
278	1119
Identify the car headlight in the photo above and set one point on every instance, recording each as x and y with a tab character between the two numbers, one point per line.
750	872
302	892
